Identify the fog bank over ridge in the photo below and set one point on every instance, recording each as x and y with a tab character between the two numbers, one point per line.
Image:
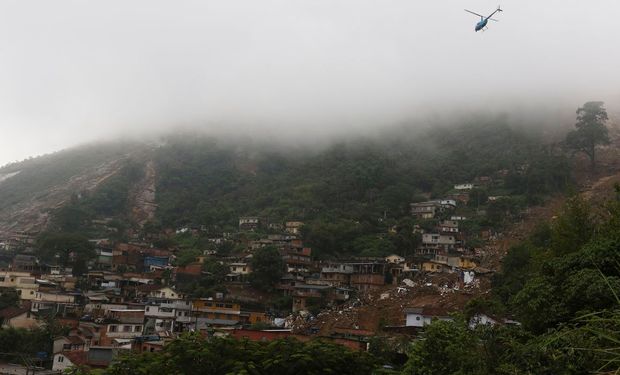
74	72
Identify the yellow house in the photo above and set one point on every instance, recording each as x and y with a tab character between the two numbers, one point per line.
466	262
254	317
212	309
165	293
432	266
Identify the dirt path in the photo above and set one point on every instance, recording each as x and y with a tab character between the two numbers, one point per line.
142	197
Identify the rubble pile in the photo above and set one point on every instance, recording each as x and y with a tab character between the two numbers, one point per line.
372	311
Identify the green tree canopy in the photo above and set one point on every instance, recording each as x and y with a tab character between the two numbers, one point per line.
69	249
591	130
194	355
267	268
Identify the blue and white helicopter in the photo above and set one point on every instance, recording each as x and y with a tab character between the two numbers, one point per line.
484	20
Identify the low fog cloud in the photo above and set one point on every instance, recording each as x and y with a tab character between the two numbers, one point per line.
75	71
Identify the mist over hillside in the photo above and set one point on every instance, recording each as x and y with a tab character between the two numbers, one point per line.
197	179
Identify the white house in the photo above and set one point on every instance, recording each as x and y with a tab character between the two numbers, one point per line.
164	293
435	239
421	316
241	268
23	282
65	360
463	186
396	259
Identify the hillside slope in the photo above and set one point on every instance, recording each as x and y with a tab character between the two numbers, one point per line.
32	189
353	188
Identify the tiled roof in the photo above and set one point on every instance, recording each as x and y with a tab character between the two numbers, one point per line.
11	312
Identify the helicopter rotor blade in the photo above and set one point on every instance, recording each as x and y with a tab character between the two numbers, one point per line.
479	15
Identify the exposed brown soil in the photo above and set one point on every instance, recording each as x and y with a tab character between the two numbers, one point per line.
142	197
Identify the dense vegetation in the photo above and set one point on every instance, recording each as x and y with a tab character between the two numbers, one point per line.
562	285
193	355
37	175
349	193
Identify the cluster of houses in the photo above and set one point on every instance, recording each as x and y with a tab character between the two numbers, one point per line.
125	301
128	311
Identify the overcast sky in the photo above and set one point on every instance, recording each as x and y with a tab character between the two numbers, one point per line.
74	71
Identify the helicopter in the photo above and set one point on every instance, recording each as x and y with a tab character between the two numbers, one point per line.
484	20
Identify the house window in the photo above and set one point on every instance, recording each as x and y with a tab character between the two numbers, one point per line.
1	279
138	329
31	292
112	328
417	318
126	328
61	358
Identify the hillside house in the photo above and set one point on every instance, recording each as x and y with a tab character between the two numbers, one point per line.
467	186
121	326
96	357
69	343
296	258
458	218
435	266
23	282
240	268
55	302
215	312
17	317
448	226
158	292
436	240
294	227
395	259
171	316
461	197
447	203
367	275
422	316
424	210
25	263
304	292
132	257
249	223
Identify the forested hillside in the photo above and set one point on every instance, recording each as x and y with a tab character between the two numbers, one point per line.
347	193
203	181
38	175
